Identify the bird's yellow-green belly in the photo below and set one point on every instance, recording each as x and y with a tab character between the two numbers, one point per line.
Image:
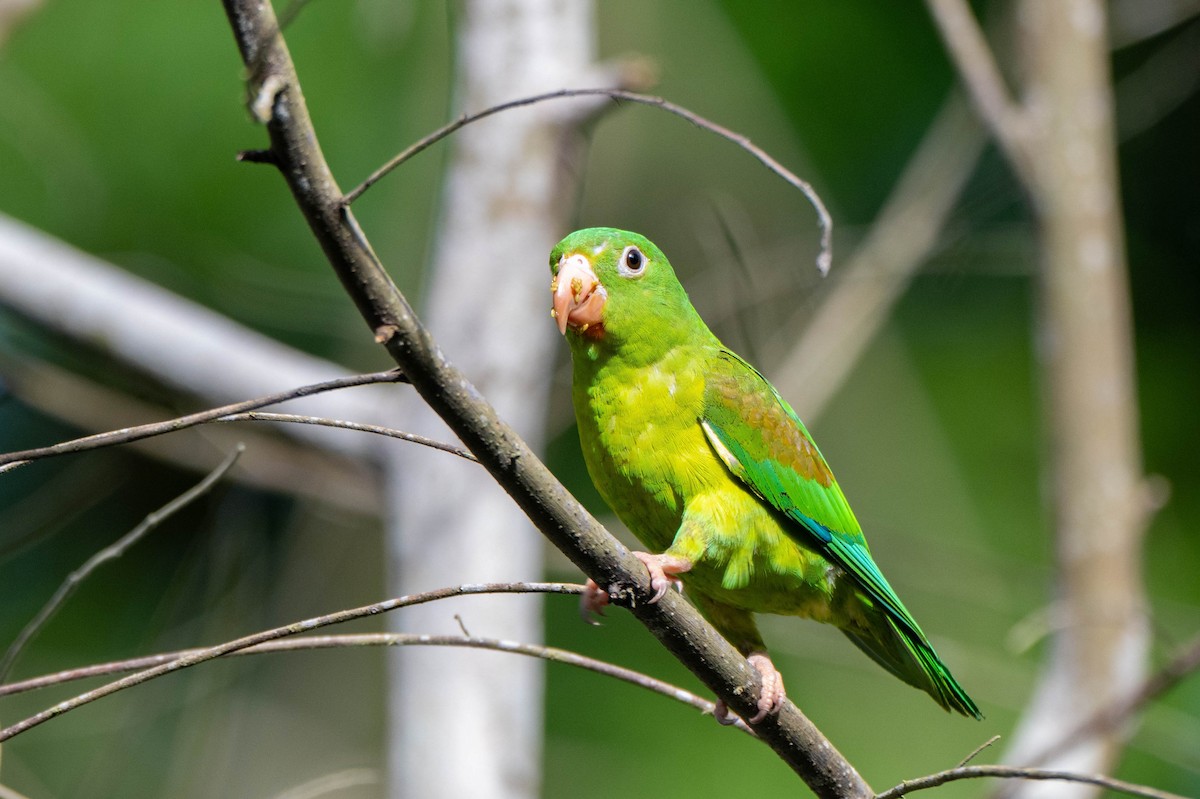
649	458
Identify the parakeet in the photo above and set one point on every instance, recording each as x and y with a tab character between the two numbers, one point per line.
714	472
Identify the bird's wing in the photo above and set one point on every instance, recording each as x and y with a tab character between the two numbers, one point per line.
765	445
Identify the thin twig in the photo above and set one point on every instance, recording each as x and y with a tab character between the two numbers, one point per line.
432	443
311	642
112	552
975	752
208	653
824	258
1011	772
10	460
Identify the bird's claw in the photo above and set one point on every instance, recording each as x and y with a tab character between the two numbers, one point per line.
770	693
663	569
722	715
592	602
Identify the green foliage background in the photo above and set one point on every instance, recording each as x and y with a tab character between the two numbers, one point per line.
119	122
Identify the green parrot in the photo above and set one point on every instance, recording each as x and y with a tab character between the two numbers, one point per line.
712	470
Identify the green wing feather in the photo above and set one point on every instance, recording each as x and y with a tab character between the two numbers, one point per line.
773	454
765	445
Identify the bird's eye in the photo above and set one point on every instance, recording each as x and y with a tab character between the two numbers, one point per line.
633	263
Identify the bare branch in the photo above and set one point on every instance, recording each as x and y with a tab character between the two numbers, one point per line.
1011	772
112	552
11	460
978	70
311	642
499	449
975	752
339	473
194	657
824	258
391	432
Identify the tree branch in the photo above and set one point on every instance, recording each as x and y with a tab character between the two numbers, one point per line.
379	430
197	656
313	642
329	784
1011	772
977	68
11	460
1061	144
551	508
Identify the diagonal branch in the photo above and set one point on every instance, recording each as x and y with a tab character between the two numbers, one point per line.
549	506
1185	662
978	69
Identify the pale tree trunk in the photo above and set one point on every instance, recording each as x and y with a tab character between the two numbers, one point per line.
1060	141
1099	645
467	723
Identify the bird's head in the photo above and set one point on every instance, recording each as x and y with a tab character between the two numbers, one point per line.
615	286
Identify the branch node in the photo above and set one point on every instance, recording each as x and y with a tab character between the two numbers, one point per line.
385	333
257	157
263	103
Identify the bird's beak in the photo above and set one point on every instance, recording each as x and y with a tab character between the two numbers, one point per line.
578	295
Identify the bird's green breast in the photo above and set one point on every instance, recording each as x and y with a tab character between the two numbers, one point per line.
639	426
642	443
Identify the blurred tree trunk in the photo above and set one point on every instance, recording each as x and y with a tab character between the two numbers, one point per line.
1099	645
467	723
1060	140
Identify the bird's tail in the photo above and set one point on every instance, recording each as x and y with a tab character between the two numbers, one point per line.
905	653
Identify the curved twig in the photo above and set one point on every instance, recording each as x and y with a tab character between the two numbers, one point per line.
10	460
1012	772
310	642
824	258
432	443
197	656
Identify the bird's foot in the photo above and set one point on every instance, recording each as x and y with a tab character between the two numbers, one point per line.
592	601
770	693
663	569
